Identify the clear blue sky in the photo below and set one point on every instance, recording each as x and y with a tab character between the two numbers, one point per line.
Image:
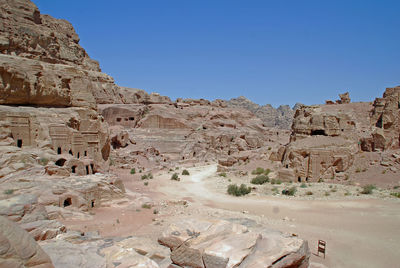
277	52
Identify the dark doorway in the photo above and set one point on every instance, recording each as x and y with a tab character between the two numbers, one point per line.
318	132
87	170
299	179
59	150
70	152
85	153
78	155
92	204
92	167
73	169
60	162
19	143
67	202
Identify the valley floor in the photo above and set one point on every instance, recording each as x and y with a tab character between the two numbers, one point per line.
360	232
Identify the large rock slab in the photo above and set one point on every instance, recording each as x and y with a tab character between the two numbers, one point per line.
201	243
19	249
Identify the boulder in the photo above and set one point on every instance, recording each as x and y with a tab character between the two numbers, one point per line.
19	249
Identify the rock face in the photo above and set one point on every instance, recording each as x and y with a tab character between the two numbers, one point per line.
325	139
200	243
281	117
19	249
385	117
184	130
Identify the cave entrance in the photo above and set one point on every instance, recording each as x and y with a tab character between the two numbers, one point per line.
70	152
92	167
59	150
87	170
67	202
299	179
19	143
73	169
92	203
60	162
318	132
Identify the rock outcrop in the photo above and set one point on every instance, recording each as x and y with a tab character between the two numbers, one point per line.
200	243
326	139
19	249
281	117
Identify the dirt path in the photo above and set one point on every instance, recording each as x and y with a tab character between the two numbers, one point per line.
359	233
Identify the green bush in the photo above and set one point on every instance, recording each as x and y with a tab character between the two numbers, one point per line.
9	191
235	190
175	177
144	177
291	191
150	176
259	171
260	179
133	171
368	189
148	206
395	195
146	183
43	161
223	174
303	185
185	172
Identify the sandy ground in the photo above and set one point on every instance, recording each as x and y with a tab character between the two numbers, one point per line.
359	233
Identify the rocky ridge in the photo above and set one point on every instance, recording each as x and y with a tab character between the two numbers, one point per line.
280	117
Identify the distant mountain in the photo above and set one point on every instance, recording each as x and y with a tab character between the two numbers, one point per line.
281	117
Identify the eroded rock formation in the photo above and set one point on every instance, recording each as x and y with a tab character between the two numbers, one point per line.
281	117
326	139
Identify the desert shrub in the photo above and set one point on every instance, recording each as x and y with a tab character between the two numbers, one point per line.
223	174
334	190
309	193
133	171
150	176
146	183
358	170
267	171
235	190
155	211
9	191
147	206
303	185
327	194
258	171
43	161
395	195
144	177
175	177
185	172
368	189
275	190
291	191
260	179
396	187
383	171
320	180
347	193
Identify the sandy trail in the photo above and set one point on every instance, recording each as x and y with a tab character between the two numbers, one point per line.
359	233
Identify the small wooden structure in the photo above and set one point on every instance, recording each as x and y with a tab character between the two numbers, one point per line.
321	247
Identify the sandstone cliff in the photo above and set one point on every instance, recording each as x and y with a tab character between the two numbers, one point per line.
327	139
